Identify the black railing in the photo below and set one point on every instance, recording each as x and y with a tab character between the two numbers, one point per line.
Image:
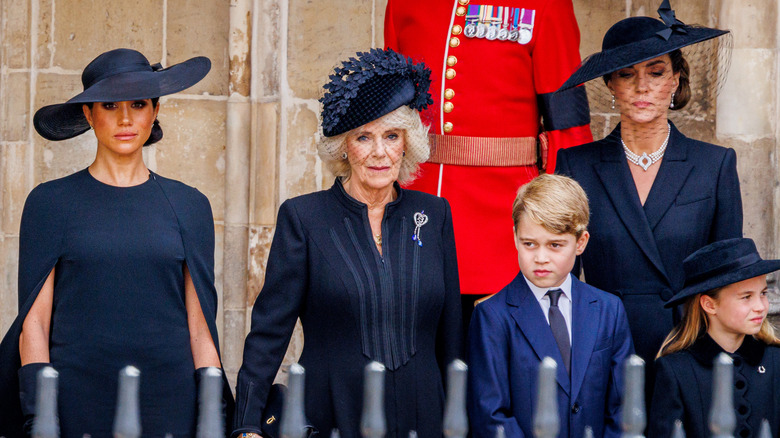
546	422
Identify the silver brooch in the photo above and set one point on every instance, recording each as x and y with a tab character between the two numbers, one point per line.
761	369
420	219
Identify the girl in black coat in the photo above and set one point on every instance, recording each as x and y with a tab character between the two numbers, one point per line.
725	311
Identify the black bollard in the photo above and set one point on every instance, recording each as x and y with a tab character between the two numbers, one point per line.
456	423
634	418
678	431
765	432
127	419
293	417
210	421
588	432
723	420
372	422
547	424
46	424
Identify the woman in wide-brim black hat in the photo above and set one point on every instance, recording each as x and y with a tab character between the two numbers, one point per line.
655	195
368	266
726	306
116	266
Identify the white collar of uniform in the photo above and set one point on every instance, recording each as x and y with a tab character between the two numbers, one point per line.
540	292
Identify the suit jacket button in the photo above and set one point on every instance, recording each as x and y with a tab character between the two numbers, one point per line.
666	294
575	408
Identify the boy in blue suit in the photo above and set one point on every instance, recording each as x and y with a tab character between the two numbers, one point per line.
545	311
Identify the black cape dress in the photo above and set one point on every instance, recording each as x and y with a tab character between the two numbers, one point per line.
401	308
119	254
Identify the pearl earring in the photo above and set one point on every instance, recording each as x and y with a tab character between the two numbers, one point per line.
613	101
671	104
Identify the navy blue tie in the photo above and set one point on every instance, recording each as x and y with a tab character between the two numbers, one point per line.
559	329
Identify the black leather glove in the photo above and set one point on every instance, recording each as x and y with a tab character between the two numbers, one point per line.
28	386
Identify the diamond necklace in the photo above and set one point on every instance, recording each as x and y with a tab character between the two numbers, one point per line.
645	161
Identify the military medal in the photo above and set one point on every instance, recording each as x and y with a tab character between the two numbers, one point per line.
503	18
482	27
514	32
492	33
526	26
471	22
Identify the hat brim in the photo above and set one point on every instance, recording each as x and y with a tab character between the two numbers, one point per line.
611	60
66	120
762	267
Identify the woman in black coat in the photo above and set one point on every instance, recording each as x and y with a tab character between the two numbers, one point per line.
725	312
369	267
655	195
116	266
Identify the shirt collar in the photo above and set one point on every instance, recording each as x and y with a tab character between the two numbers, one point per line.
540	292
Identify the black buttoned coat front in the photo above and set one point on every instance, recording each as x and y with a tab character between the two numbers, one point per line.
636	251
684	389
401	308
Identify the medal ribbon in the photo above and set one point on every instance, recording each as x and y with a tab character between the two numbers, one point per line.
528	17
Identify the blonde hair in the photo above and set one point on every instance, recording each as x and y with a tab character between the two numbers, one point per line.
331	149
555	202
695	323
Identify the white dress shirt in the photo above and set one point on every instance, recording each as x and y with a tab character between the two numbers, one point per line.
564	302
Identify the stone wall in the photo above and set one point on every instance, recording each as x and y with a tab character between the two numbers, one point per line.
246	136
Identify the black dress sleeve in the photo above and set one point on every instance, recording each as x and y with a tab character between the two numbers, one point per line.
44	218
449	342
273	319
728	214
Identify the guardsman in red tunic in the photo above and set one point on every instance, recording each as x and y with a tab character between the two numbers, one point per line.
495	68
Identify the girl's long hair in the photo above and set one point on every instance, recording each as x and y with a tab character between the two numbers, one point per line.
695	324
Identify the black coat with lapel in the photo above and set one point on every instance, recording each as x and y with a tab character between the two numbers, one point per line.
636	251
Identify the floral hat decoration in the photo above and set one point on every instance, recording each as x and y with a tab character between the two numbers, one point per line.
370	85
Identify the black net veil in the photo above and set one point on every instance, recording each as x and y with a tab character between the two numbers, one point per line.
708	65
380	104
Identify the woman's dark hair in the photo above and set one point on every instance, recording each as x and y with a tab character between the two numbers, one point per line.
157	133
682	95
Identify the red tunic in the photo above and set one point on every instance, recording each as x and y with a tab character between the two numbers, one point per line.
489	99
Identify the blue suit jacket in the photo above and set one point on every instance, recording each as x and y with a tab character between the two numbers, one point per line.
508	338
636	251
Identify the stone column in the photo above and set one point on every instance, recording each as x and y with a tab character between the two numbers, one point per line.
747	113
239	128
16	67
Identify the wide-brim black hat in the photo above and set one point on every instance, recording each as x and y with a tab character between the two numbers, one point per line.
115	76
370	85
720	264
638	39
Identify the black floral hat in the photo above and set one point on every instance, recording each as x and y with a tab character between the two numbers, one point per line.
370	85
638	39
